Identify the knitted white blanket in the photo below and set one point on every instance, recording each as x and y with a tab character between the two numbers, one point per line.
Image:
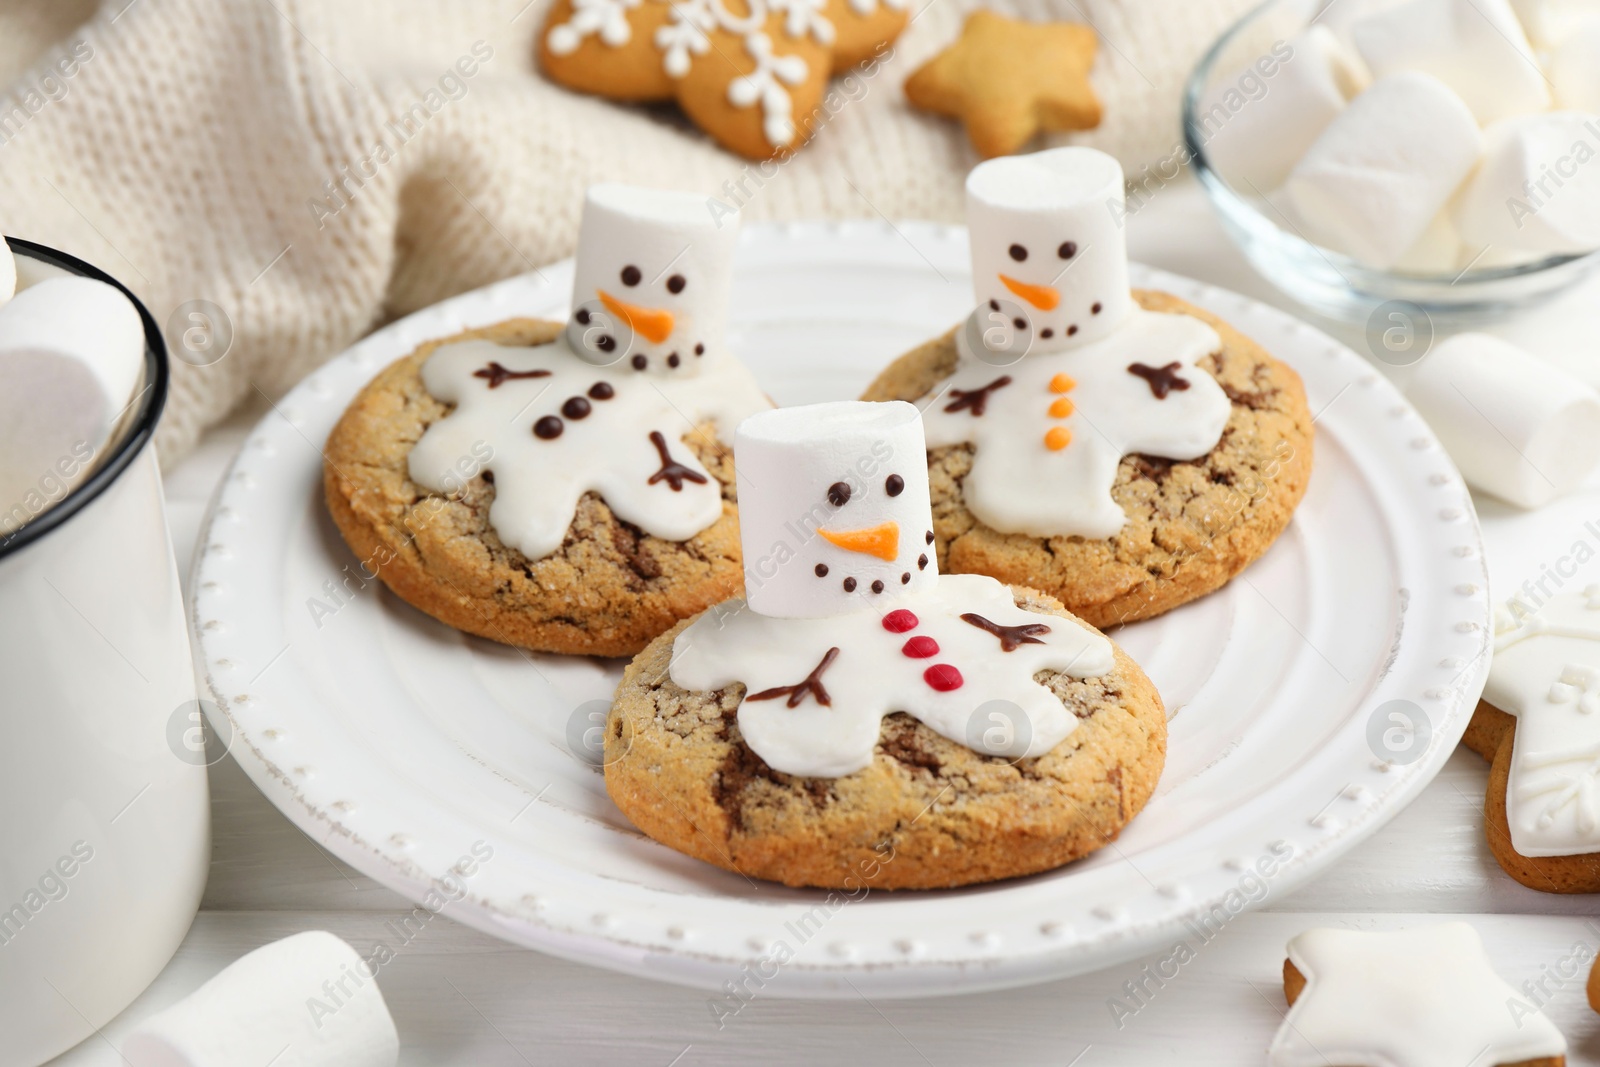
316	167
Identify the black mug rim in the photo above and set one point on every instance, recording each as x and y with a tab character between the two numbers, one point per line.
139	431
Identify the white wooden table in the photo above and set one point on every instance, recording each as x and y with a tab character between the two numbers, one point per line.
461	997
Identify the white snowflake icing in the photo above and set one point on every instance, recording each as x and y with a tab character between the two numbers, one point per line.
867	7
766	84
607	18
687	35
1573	780
801	17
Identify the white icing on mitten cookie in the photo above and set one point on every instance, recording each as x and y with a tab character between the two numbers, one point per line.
1546	672
604	408
1406	998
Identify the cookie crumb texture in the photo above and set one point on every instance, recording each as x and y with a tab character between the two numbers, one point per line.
607	591
928	813
1191	526
1489	734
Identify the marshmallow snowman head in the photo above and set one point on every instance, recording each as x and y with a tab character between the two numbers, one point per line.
833	507
1049	256
651	281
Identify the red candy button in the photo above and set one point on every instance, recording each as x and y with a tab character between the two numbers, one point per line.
922	648
943	677
899	621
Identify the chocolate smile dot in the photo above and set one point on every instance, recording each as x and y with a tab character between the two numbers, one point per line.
1068	249
605	342
602	391
1047	333
672	360
488	477
1096	309
576	407
894	485
548	428
849	585
1072	330
1021	324
905	578
640	362
877	587
994	305
676	283
631	275
1018	253
699	350
838	494
582	315
929	538
822	570
922	562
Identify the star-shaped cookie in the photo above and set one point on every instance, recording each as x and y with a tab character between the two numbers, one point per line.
1406	998
1008	80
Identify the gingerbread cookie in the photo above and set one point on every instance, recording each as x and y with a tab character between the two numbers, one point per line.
1008	81
861	719
1406	998
1125	453
563	488
751	73
1539	726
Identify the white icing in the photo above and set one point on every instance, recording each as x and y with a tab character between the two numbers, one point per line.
791	465
1050	270
1020	485
999	709
685	37
635	247
1546	672
1406	998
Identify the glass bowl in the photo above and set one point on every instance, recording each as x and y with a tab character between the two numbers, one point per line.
1323	280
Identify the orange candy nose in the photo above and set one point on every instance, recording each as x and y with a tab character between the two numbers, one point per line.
882	540
654	324
1042	297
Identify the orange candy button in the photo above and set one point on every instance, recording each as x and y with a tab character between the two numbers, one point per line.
1061	408
1057	439
1061	383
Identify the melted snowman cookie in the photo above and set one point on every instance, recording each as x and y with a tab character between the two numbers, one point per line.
1124	452
563	488
859	706
1539	726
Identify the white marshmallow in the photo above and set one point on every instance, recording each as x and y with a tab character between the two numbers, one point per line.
1517	427
71	354
309	995
8	273
1538	187
1340	15
635	247
1380	172
1550	22
1476	47
833	499
1262	120
1048	245
1437	251
1575	68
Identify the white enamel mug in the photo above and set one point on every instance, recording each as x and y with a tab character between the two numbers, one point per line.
104	818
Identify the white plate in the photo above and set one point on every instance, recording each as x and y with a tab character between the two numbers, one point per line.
399	743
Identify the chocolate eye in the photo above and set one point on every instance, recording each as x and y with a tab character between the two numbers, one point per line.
631	275
894	485
1068	249
838	494
1019	253
676	283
